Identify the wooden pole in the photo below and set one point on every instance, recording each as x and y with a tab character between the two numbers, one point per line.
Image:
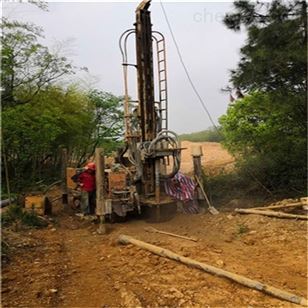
100	180
6	174
250	283
151	229
63	164
210	207
271	213
63	175
198	171
279	206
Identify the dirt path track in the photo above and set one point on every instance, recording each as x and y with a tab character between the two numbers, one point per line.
68	265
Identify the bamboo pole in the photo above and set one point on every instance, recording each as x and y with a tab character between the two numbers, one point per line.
271	213
254	284
151	229
279	206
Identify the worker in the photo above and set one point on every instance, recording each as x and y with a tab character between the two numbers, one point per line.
86	181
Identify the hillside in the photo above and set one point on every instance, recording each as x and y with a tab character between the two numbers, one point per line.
215	158
209	135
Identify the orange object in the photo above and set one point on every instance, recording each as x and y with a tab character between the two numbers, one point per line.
69	182
117	181
35	203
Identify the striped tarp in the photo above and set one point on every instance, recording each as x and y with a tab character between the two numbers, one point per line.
182	187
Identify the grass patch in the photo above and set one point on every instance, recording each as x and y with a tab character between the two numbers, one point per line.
242	229
234	186
208	135
16	214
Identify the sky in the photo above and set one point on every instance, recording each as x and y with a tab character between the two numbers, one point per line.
89	32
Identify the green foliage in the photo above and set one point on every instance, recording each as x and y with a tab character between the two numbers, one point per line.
15	214
55	119
27	65
242	229
40	118
224	187
257	124
267	128
261	134
34	132
275	55
210	135
108	119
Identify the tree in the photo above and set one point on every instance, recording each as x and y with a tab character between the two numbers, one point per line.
109	117
266	142
267	128
34	132
39	117
275	56
27	65
107	125
55	119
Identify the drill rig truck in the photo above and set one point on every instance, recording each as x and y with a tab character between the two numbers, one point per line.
151	154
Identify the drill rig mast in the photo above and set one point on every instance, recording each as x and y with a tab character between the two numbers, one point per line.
151	148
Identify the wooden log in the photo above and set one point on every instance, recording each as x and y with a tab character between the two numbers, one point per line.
271	213
63	164
254	284
279	206
100	180
198	173
63	175
151	229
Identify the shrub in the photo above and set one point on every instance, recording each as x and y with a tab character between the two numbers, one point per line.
15	213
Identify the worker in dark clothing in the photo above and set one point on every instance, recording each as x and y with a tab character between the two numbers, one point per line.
87	184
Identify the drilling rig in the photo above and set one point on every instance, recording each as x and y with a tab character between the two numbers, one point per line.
151	154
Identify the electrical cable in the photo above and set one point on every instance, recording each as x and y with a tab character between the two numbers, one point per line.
186	70
194	88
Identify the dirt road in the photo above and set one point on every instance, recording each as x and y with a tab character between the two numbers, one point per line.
69	265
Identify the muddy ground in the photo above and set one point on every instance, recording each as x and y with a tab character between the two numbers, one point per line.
69	265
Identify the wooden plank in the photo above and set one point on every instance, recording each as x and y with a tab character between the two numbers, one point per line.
250	283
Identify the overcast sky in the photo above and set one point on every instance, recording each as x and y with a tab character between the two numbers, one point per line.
91	32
